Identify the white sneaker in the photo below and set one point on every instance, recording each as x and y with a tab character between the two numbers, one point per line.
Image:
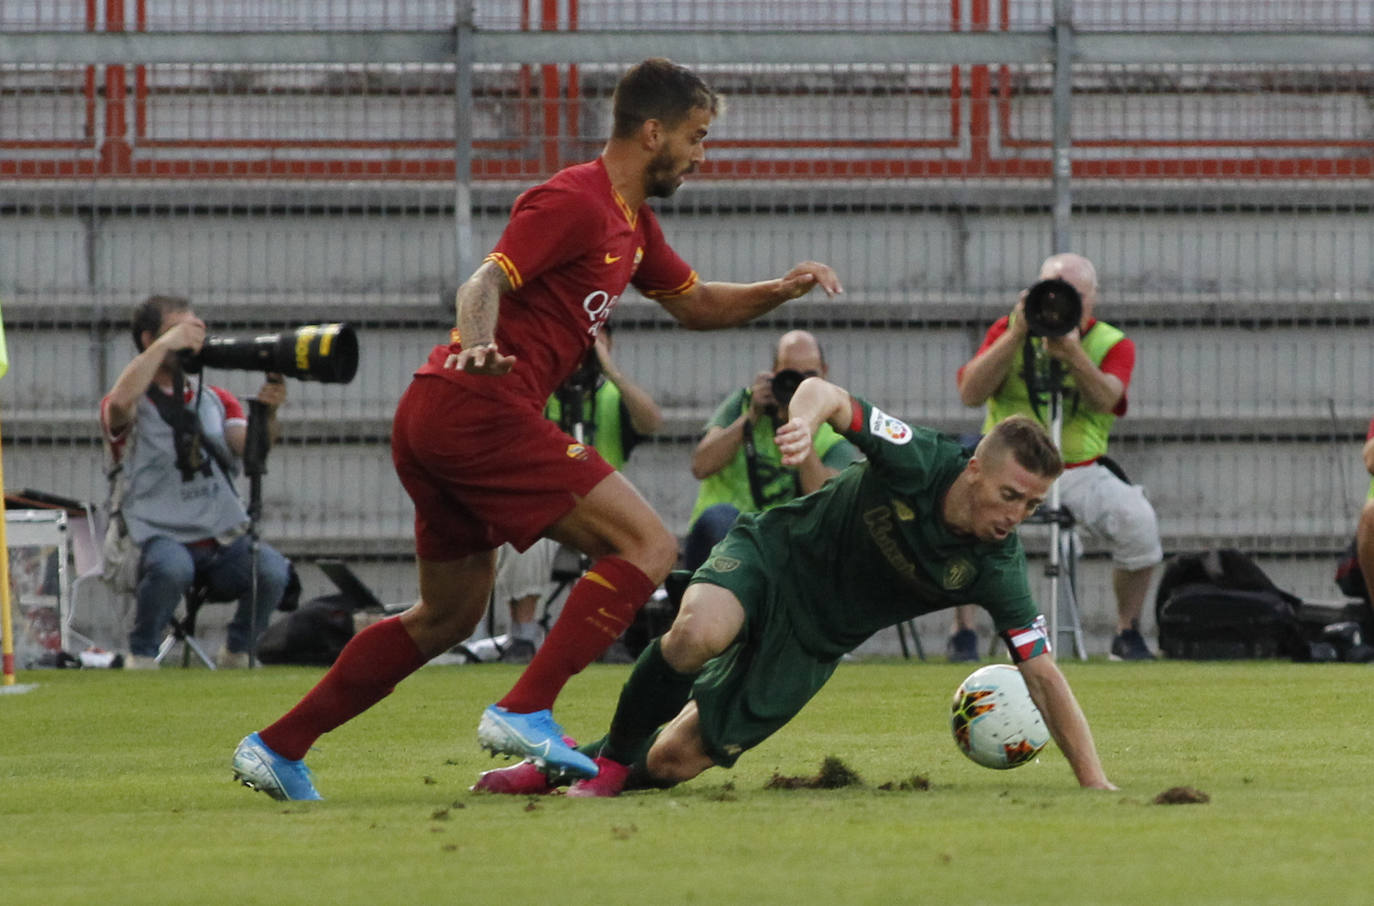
139	662
231	660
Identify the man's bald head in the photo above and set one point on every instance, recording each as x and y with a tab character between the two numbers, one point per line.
799	350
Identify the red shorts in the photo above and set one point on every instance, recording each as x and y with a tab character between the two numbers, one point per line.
483	472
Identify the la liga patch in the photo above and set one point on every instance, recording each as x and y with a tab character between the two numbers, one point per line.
893	430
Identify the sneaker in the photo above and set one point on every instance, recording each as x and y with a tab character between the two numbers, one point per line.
534	736
259	768
231	660
962	647
141	662
519	651
523	779
609	781
1129	645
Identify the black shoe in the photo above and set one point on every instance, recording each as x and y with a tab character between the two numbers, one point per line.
962	647
517	651
1129	645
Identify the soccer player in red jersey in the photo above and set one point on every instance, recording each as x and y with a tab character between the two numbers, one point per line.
484	467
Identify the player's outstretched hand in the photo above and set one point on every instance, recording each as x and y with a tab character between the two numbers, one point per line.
484	359
799	280
794	441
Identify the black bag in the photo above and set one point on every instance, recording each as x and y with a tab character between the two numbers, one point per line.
1349	576
313	634
1220	605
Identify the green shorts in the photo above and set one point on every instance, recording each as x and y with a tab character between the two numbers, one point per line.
758	684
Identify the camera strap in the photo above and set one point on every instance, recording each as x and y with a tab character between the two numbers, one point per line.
188	437
753	468
1040	390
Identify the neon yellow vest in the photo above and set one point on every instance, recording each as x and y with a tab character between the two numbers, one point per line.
777	482
1084	431
602	410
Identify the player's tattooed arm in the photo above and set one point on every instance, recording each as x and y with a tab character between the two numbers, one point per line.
478	304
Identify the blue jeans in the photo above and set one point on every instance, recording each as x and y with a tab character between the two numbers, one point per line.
167	570
709	528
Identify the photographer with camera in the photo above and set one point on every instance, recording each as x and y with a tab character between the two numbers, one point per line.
175	444
1052	343
737	461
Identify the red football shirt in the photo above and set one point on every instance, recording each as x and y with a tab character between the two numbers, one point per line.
571	247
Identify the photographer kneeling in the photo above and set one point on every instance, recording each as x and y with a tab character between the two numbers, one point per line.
175	445
738	463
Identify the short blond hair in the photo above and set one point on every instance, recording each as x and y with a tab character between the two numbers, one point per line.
1028	443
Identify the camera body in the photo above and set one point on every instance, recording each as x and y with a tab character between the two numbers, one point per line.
1053	308
784	384
327	353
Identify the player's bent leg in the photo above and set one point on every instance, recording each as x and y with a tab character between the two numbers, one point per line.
615	520
708	622
632	552
679	753
453	597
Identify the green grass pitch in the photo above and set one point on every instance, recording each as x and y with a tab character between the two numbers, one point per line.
115	788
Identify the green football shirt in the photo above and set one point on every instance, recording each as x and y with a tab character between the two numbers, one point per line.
871	549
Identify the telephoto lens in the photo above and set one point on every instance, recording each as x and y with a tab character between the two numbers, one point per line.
1053	308
327	353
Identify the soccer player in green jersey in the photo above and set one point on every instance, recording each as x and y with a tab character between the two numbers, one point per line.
920	526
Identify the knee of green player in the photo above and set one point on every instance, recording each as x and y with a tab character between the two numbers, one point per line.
670	762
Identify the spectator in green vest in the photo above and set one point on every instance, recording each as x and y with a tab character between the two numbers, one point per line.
1096	360
602	407
737	461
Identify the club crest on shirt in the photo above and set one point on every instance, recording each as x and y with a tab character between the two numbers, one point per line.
958	573
893	430
723	564
577	451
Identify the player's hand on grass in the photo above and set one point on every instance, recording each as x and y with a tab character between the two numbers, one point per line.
794	441
483	358
801	278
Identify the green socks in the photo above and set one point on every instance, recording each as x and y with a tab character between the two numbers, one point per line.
652	696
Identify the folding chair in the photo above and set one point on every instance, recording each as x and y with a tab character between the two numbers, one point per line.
183	629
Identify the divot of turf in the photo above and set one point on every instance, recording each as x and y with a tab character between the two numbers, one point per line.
833	775
1181	795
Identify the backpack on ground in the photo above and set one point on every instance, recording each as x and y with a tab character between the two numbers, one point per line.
313	634
1219	605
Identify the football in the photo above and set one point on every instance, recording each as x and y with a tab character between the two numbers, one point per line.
994	721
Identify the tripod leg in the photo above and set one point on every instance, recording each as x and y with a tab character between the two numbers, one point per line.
1069	590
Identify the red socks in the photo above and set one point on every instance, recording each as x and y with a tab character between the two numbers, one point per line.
600	607
368	668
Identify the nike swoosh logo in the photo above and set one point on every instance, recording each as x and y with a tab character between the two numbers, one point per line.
542	749
612	259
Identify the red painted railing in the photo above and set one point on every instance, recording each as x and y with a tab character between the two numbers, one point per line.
550	103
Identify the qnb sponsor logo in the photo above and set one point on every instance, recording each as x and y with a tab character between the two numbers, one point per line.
598	305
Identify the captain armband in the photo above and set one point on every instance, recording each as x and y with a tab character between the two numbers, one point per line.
1026	642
